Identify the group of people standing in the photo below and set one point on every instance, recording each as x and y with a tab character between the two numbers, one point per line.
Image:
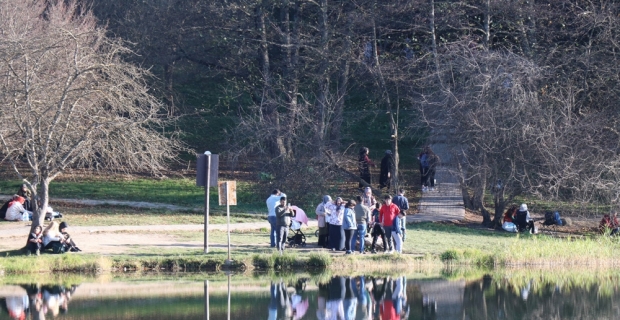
428	167
343	224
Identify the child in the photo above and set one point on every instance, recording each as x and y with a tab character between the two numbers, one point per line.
35	241
69	244
377	230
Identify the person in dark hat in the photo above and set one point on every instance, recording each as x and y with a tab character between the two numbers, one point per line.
71	246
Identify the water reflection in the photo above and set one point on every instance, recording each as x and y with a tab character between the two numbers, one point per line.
337	298
35	301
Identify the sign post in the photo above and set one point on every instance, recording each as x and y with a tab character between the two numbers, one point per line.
227	196
206	176
206	300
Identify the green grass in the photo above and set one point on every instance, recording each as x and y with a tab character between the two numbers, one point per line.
178	191
123	216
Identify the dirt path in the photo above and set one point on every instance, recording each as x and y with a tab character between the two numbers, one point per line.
125	239
133	204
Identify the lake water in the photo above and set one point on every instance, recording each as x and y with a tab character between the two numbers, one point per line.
249	297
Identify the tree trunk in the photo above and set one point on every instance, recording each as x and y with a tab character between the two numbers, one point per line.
499	203
343	87
479	193
268	108
386	96
38	211
323	109
434	39
168	71
487	25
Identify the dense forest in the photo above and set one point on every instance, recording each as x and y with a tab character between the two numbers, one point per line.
525	91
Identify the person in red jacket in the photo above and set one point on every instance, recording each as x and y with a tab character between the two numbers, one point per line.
387	214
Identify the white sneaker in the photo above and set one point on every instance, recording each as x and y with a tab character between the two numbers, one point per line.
432	189
391	252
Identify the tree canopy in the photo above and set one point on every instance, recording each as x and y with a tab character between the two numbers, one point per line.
69	99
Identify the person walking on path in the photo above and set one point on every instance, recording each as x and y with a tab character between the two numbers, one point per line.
387	166
349	225
364	163
283	215
335	214
433	163
322	221
377	230
272	203
424	166
362	218
387	214
403	204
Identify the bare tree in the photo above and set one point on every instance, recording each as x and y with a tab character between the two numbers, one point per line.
69	100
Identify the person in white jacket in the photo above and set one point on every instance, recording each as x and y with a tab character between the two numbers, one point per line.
16	210
52	236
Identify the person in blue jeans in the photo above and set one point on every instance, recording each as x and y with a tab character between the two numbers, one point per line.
362	218
272	202
403	204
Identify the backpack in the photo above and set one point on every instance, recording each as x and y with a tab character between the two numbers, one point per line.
549	218
3	210
424	160
552	218
58	247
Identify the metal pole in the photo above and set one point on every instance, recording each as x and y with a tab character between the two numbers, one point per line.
228	221
207	189
206	300
229	295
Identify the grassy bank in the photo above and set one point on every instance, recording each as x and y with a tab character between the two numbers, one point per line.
428	245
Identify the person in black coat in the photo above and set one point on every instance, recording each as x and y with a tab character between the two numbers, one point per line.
387	167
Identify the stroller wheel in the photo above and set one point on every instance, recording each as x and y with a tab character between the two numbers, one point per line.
316	233
303	244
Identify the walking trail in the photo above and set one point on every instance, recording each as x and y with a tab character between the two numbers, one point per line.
445	203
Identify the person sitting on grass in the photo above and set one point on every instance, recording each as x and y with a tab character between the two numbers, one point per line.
53	239
610	222
523	220
35	241
16	210
509	217
68	241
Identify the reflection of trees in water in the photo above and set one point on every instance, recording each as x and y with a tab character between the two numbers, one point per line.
489	299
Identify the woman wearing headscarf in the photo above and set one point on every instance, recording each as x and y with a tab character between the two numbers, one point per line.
387	166
322	220
335	215
349	225
368	199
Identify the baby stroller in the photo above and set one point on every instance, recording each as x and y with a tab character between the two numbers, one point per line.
297	238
